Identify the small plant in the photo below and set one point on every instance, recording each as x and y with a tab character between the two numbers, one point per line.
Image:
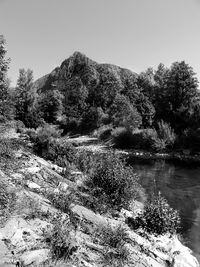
158	217
6	148
113	182
166	133
85	161
122	138
61	239
60	151
20	127
103	133
8	200
61	200
113	239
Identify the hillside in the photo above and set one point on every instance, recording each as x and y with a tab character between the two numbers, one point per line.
84	95
44	218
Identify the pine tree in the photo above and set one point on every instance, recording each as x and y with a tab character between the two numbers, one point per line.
6	107
24	84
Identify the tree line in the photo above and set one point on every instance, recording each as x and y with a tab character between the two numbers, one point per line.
82	96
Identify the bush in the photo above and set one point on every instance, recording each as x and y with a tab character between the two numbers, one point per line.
103	133
113	239
6	148
123	138
61	239
61	200
20	127
166	133
112	181
60	151
158	217
190	139
8	200
85	161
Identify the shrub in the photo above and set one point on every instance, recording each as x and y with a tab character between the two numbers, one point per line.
8	200
123	138
104	132
20	127
43	135
166	133
6	148
61	239
85	161
62	200
111	180
113	239
158	217
190	139
60	151
48	146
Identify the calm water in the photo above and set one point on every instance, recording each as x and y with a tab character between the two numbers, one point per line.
180	185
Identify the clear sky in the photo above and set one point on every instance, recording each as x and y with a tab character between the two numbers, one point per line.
135	34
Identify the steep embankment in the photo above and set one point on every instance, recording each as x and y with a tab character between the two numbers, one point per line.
31	216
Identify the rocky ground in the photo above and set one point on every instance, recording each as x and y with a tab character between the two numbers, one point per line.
31	216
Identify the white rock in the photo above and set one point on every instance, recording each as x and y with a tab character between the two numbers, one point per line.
33	170
33	185
35	257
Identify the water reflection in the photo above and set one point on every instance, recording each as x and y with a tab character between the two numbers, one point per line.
180	185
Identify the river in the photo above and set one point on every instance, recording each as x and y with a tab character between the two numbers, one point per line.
180	185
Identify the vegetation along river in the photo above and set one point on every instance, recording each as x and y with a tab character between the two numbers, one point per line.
180	185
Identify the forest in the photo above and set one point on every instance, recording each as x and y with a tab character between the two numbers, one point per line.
156	110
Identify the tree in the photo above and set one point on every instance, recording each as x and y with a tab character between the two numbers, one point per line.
22	99
181	96
6	107
123	113
50	105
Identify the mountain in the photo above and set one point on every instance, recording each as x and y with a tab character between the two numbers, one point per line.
90	73
92	95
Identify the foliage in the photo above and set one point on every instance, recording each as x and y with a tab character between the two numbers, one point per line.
166	133
103	133
47	144
20	127
60	151
7	200
43	136
158	217
85	161
61	239
6	105
22	91
112	181
6	148
113	239
50	105
124	114
61	200
190	139
123	138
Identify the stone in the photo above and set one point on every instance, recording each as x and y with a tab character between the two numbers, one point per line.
35	257
33	185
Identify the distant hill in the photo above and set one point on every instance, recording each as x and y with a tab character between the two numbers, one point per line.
92	95
90	73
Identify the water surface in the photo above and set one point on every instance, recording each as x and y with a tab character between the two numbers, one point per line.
180	185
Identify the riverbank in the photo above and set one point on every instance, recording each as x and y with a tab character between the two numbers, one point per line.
94	145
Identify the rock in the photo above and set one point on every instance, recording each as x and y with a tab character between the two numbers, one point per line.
92	217
35	257
33	170
63	186
185	260
33	185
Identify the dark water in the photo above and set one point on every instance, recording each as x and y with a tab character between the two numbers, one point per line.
180	185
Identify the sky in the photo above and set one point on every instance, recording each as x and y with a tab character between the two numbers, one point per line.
135	34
